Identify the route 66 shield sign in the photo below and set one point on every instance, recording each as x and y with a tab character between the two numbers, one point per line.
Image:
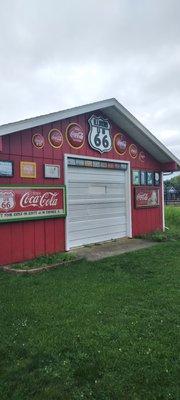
7	201
99	135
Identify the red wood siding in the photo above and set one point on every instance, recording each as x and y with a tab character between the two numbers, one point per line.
25	240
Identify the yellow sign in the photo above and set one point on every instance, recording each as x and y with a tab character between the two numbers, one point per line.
27	169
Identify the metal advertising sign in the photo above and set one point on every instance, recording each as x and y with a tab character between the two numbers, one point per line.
99	135
6	168
146	197
29	203
142	156
38	141
133	151
120	144
80	162
27	169
51	171
75	136
55	138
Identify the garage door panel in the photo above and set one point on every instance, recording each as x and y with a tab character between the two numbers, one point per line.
96	215
94	178
97	212
96	223
91	233
91	175
96	205
99	206
96	239
97	190
98	172
99	201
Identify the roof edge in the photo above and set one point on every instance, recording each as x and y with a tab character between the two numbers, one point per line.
12	127
143	129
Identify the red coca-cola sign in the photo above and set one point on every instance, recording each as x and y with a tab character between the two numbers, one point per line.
146	197
55	138
27	203
142	156
75	136
133	151
38	140
120	144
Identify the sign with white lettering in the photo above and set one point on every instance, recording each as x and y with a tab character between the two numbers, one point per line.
146	197
75	136
99	135
27	169
29	203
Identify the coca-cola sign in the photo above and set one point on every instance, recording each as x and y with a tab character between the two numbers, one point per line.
133	151
146	197
27	203
120	144
75	136
38	141
55	138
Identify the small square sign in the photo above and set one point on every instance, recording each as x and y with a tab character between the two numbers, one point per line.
150	178
136	177
6	168
27	169
51	171
143	178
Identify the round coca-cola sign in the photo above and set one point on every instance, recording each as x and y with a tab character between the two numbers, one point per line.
75	136
120	144
133	151
55	138
142	156
38	140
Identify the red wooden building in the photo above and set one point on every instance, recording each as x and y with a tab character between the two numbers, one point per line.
79	176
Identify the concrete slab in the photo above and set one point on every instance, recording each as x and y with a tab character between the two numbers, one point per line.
114	247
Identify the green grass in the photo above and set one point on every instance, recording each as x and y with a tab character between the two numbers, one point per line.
106	330
172	217
172	230
43	261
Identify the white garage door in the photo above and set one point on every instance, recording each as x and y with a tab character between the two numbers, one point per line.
96	205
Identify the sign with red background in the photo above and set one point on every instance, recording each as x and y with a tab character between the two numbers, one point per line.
75	135
38	141
55	138
29	203
146	197
133	151
142	156
120	143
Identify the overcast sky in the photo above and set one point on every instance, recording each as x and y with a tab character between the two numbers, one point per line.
64	53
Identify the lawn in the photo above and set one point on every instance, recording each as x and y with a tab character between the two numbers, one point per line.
106	330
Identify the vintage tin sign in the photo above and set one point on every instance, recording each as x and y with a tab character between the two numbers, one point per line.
29	203
52	171
157	179
75	136
55	138
38	141
6	168
120	144
100	135
146	197
27	169
142	156
133	151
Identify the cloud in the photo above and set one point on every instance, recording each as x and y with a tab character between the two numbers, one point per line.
55	55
